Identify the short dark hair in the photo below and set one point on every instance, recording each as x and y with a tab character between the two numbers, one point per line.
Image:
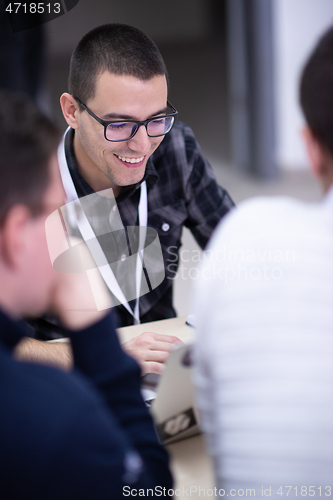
27	141
117	48
316	91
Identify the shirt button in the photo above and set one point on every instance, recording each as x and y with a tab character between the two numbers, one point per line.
165	227
123	257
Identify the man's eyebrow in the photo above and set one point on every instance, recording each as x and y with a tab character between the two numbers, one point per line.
116	116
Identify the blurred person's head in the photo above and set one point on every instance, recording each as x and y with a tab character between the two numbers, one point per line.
30	189
118	73
316	97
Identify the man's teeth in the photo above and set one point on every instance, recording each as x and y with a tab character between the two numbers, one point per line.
130	160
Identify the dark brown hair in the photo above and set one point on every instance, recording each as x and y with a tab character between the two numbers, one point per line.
316	91
27	141
117	48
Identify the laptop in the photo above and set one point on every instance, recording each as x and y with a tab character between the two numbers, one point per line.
170	398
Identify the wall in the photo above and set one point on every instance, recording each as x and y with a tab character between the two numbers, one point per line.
173	20
298	25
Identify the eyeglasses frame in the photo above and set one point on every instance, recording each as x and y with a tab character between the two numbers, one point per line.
139	123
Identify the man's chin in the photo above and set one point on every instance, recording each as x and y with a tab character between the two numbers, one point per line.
133	176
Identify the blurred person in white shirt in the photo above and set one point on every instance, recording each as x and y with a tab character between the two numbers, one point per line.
264	315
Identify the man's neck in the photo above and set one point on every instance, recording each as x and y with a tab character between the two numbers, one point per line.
327	181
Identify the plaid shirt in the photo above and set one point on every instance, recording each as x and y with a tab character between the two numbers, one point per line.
182	191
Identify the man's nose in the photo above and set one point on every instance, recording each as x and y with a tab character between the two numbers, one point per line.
141	141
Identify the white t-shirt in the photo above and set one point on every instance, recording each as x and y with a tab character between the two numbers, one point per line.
264	355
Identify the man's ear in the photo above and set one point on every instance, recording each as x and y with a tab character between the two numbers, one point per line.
316	153
70	109
15	235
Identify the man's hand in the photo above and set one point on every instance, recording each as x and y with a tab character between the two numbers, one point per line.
151	350
73	300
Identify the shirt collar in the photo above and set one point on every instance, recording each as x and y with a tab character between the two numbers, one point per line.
11	331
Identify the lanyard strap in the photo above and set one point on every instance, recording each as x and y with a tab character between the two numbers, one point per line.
92	242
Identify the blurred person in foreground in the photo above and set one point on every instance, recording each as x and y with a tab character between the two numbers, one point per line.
79	435
264	349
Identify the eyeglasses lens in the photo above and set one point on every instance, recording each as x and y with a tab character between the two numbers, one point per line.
120	131
160	126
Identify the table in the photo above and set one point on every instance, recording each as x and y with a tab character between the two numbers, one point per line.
190	463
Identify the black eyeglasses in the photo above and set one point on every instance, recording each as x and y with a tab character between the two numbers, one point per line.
123	130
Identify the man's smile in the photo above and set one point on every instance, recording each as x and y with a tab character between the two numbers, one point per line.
131	162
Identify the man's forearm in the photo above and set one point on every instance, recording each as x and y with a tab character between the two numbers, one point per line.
98	354
56	354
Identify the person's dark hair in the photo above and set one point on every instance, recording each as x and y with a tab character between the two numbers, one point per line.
316	91
27	141
117	48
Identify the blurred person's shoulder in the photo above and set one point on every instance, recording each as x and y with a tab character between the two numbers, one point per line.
270	217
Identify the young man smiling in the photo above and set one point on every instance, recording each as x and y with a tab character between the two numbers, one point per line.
123	136
104	164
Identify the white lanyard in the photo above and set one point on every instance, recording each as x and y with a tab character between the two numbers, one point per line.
92	242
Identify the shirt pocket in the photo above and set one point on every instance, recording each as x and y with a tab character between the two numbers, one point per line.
168	221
